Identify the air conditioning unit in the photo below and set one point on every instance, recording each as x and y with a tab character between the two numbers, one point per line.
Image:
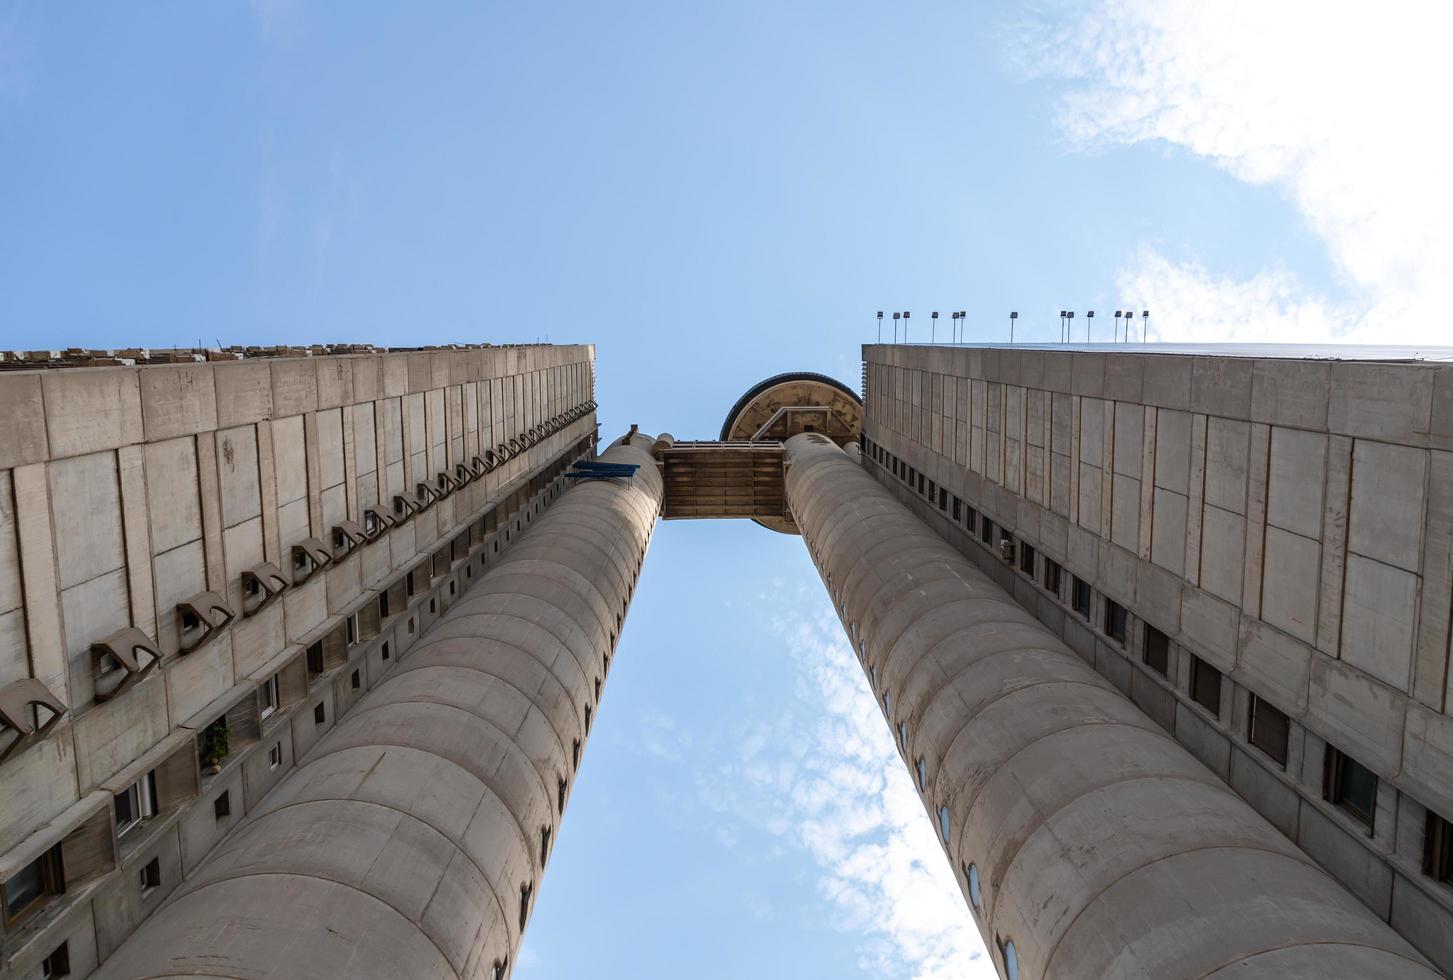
1006	549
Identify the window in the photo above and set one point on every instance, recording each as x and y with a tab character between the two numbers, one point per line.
575	754
942	499
222	805
1051	577
975	888
971	518
383	612
412	585
356	680
957	509
57	964
920	484
922	769
1026	558
433	604
887	703
873	675
135	803
1350	785
986	531
943	827
903	735
525	891
1156	652
1206	686
1115	621
932	491
1269	730
1080	596
587	719
383	650
1011	961
350	626
269	696
1437	847
544	844
499	969
150	877
275	756
560	793
315	659
28	889
320	713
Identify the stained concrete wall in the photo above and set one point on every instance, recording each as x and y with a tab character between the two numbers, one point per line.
1286	522
1099	846
124	490
411	840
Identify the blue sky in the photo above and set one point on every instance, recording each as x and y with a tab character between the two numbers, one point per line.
712	193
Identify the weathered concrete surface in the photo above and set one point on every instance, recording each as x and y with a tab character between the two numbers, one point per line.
408	843
1103	847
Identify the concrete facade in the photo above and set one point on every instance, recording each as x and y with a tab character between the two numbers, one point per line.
278	532
1222	539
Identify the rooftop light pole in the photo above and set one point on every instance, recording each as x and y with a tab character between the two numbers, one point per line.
906	315
963	322
933	326
1118	315
1013	315
1090	315
880	326
896	315
1144	325
1061	326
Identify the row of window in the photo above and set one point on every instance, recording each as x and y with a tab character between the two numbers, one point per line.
1346	783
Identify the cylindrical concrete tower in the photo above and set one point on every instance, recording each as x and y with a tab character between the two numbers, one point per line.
1088	842
411	840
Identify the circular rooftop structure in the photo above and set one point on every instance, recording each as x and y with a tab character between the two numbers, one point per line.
786	405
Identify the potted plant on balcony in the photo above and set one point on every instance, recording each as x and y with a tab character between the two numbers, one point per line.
215	744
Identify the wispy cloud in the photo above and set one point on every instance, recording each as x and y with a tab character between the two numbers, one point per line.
825	775
1341	105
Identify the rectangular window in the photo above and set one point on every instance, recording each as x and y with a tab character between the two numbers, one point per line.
1115	621
1052	577
958	506
222	805
150	877
920	484
29	888
1080	596
135	803
942	499
1350	785
971	519
269	696
986	531
1157	651
1206	685
351	626
383	650
320	713
315	659
356	680
1269	730
1026	558
57	964
1437	847
932	491
383	612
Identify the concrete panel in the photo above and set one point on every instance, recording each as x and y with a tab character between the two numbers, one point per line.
1428	757
10	593
1356	714
1227	448
198	678
294	386
1222	551
290	459
1272	797
1388	491
330	448
1158	598
22	438
1092	431
1426	922
1173	450
1129	438
92	611
1168	381
1289	588
1298	472
85	500
1274	666
1203	739
1168	533
1381	401
109	739
38	575
244	393
237	470
1290	393
1348	859
1209	627
14	662
171	488
88	410
1378	620
35	786
177	400
179	574
1090	499
1125	513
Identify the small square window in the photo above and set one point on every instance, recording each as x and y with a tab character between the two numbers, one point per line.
1052	577
1350	785
1269	730
1206	685
1115	621
150	877
1437	847
320	713
1080	596
1156	652
222	805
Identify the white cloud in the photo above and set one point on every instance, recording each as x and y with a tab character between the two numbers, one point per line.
826	775
1341	104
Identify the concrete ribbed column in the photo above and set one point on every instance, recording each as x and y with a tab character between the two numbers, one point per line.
408	842
1103	848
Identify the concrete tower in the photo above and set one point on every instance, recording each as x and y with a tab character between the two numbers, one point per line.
302	648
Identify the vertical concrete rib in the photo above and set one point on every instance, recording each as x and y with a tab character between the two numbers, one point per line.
1102	848
408	844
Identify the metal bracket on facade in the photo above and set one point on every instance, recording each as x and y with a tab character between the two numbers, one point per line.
445	483
346	536
503	452
21	703
376	520
405	507
464	474
122	659
261	584
200	618
308	557
427	495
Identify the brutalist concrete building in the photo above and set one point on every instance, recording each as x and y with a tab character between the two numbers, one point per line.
300	649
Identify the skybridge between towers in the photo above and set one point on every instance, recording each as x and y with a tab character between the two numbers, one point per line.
301	650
